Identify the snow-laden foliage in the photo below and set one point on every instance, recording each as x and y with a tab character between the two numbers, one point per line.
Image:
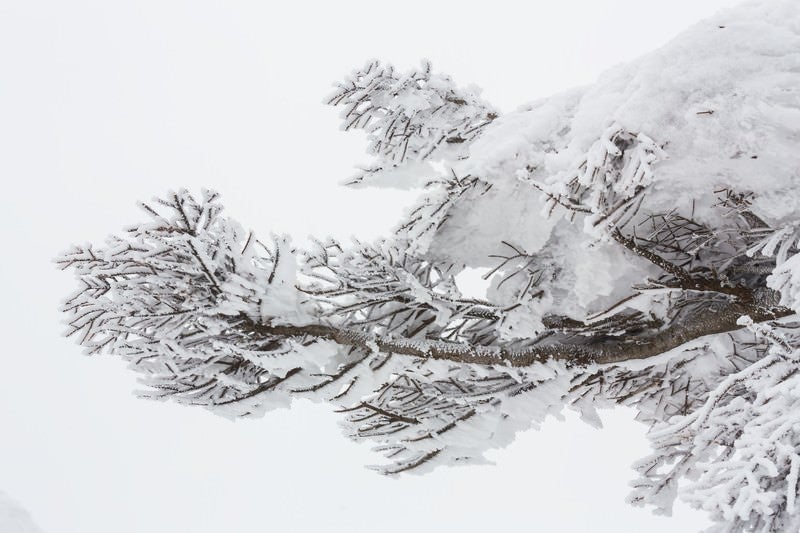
170	293
740	447
607	184
639	243
411	117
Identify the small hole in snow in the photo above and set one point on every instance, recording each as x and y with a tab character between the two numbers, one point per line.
471	283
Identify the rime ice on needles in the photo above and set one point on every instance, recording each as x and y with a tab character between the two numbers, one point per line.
741	447
617	169
640	245
409	117
170	296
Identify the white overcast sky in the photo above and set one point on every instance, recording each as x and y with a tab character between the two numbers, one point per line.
106	102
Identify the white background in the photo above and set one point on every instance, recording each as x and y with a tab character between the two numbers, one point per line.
106	102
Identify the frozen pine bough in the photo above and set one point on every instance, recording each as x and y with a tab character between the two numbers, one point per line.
639	241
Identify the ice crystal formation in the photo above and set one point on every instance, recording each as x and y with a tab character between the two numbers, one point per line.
639	242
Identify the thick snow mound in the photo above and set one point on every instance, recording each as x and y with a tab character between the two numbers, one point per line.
720	105
723	98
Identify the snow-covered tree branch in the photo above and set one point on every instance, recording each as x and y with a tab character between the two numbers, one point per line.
640	247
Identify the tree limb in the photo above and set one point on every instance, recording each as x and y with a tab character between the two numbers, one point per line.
579	353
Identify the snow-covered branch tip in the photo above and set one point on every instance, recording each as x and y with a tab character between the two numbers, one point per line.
409	117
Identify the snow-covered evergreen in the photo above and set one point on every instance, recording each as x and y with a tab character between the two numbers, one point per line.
640	242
